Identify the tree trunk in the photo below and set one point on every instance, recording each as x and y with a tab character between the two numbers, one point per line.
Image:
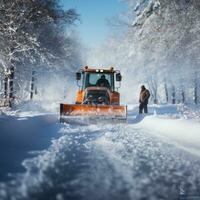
5	87
36	91
183	96
173	95
32	85
155	101
166	93
195	93
11	83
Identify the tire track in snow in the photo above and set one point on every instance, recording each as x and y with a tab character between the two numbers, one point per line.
131	164
106	162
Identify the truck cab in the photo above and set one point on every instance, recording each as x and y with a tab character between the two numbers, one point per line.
98	86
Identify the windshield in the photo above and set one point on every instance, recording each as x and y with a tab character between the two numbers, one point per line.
99	80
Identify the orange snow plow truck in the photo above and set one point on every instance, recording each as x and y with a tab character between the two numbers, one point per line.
97	97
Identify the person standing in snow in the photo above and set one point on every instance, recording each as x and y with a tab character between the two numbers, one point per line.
143	100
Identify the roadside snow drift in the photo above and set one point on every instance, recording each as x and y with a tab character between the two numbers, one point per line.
184	133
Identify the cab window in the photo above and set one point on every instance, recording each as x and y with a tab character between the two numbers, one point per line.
92	79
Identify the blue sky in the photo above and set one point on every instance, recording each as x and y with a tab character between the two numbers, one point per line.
93	13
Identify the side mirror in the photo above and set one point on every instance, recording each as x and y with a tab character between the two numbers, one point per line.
118	77
78	76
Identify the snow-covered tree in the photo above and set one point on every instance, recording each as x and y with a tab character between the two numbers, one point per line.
161	47
33	38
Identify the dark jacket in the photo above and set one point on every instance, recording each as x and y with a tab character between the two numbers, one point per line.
144	96
102	82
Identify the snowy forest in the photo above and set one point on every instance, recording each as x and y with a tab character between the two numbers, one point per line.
155	43
38	45
160	48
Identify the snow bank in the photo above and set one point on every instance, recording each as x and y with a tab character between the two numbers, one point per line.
31	109
183	133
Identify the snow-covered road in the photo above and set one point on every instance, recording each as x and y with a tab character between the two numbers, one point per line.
119	161
21	137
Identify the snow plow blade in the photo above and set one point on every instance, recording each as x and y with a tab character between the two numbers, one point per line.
95	113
